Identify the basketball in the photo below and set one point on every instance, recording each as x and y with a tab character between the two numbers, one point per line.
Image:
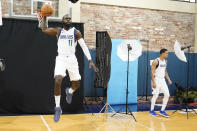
47	10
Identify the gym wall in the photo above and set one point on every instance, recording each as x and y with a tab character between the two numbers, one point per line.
161	28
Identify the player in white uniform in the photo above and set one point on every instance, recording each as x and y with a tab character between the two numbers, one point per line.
66	59
158	75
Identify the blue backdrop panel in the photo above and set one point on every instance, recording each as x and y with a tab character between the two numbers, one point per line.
177	71
117	83
193	70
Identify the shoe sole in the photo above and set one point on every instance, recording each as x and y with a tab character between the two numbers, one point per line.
66	98
164	115
59	118
153	115
56	121
67	101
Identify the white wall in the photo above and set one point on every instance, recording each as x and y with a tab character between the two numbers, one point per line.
149	4
63	9
76	12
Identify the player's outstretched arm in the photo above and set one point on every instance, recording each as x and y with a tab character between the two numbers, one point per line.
49	31
85	50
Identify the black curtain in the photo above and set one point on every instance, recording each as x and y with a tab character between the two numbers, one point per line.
27	84
103	59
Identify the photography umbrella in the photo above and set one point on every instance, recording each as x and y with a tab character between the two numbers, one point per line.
134	53
178	52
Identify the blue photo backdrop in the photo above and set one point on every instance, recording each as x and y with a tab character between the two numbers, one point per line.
118	79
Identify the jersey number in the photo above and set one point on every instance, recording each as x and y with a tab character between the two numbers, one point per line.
70	42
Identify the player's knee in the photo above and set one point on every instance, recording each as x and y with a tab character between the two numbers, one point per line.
167	95
75	84
155	95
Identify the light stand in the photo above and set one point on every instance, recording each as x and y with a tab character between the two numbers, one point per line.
187	88
147	70
128	110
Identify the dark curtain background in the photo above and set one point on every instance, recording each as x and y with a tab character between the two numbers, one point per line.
103	59
27	84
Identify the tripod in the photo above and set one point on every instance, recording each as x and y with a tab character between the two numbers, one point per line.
187	88
128	110
105	107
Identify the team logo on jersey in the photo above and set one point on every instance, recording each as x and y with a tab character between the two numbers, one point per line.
66	36
162	65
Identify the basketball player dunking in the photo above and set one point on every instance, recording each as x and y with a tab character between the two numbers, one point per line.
66	59
158	74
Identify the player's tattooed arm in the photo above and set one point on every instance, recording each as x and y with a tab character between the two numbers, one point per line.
49	31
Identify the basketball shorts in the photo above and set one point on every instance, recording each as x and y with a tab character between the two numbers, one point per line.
161	87
68	63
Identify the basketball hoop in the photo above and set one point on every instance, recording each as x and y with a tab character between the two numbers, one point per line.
40	18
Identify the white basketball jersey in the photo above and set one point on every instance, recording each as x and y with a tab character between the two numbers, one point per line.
161	69
67	42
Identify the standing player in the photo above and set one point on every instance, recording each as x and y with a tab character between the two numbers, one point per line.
66	59
158	74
